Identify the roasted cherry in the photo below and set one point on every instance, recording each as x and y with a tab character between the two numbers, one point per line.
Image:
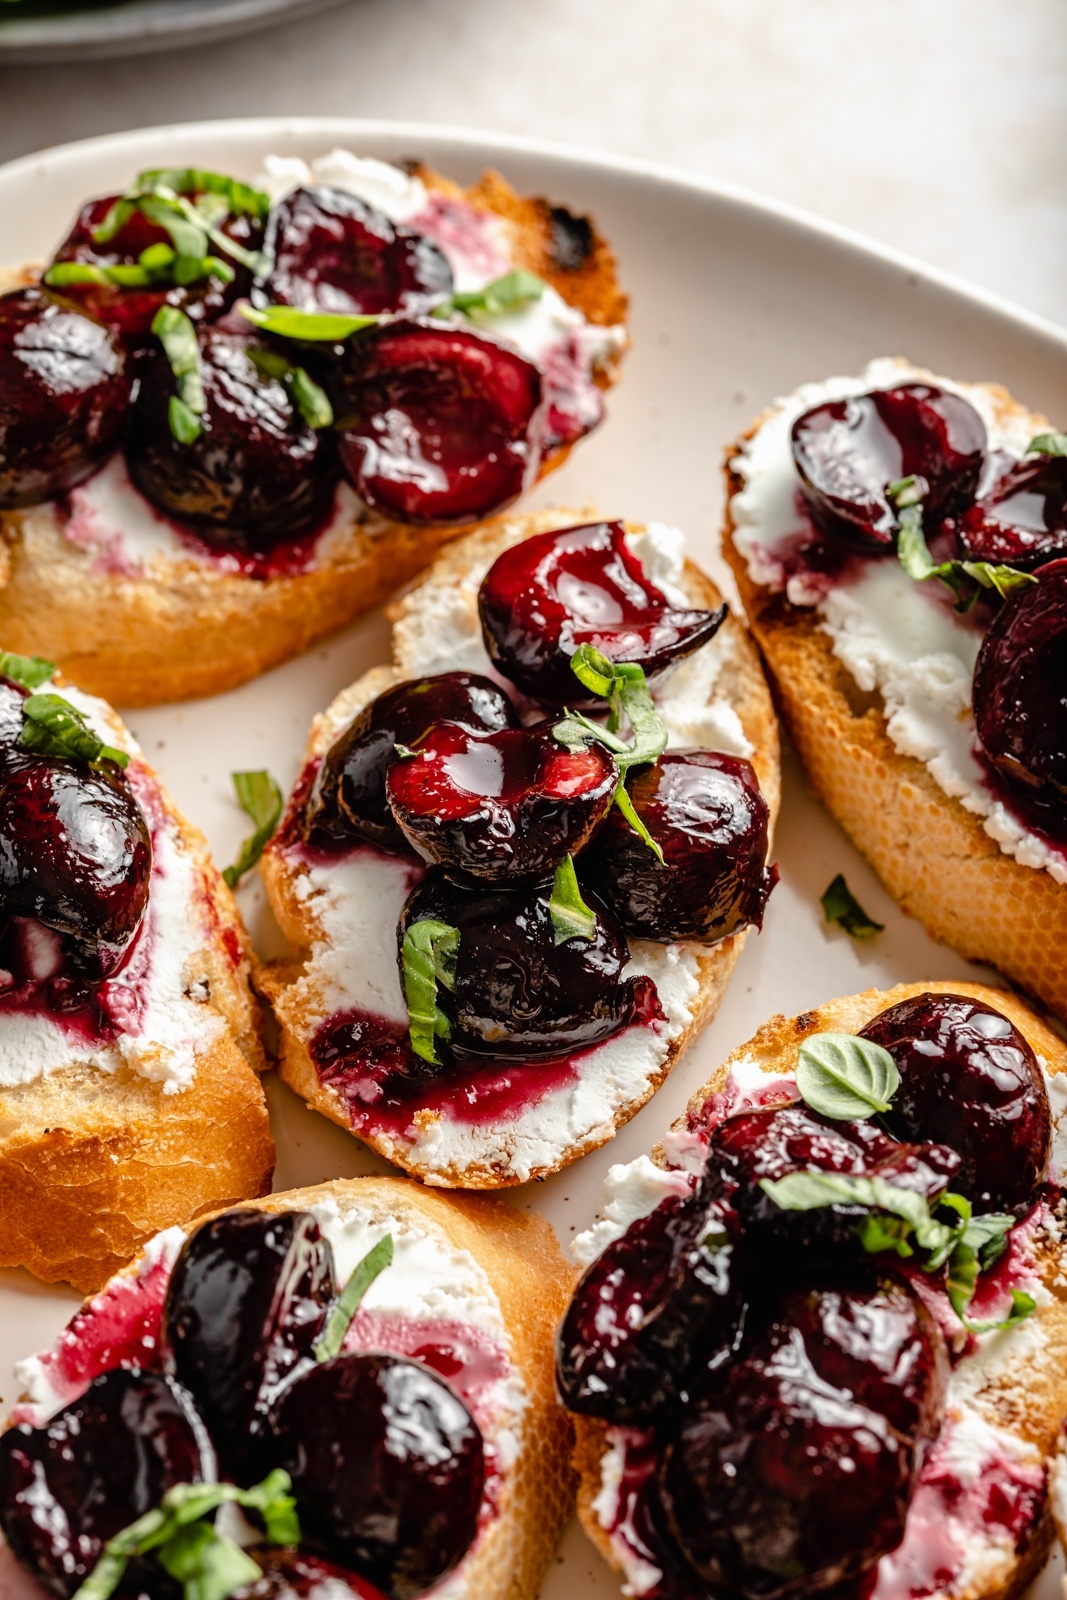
332	252
12	721
245	1303
847	452
348	800
75	854
64	391
518	993
438	424
387	1467
293	1575
547	595
793	1473
1022	519
499	808
706	813
98	1465
969	1079
256	474
660	1308
1019	707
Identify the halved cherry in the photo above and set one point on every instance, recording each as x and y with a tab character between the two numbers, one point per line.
438	424
332	252
64	391
1022	518
348	799
257	473
708	816
1020	710
547	595
499	808
848	451
294	1575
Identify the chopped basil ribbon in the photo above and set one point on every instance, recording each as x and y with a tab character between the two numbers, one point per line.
1048	444
177	335
158	195
846	1078
311	401
30	671
260	798
571	917
158	264
913	553
189	1548
53	727
840	905
622	685
497	299
362	1276
241	198
429	956
316	327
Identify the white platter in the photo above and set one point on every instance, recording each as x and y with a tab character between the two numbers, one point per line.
733	301
134	27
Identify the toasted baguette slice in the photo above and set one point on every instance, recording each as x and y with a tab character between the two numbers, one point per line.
436	629
1016	1382
526	1284
933	855
188	626
97	1155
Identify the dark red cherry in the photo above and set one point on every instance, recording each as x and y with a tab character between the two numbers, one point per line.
547	595
332	252
98	1465
517	992
64	391
1019	707
348	799
12	721
129	311
969	1079
499	808
257	473
706	813
438	424
848	451
787	1478
387	1467
660	1308
1022	519
75	854
293	1575
246	1301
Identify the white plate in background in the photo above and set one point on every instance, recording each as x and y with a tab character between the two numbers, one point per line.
733	301
71	32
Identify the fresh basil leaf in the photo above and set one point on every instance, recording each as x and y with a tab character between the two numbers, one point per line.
30	671
240	198
914	554
814	1191
844	1077
1048	444
185	425
362	1276
63	273
630	812
988	1235
207	1565
53	727
311	401
877	1233
428	957
497	299
571	917
177	335
288	322
840	905
260	797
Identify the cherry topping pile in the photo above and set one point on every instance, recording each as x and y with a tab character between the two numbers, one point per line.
786	1377
1022	518
386	1462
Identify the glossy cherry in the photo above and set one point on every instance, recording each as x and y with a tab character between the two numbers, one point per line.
547	595
708	816
332	252
790	1476
257	473
1021	519
969	1079
294	1575
848	451
75	854
387	1467
99	1464
437	424
654	1314
518	993
246	1301
64	392
499	808
1019	708
12	720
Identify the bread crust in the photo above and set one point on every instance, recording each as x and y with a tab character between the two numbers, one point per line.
1027	1396
193	629
741	682
933	855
